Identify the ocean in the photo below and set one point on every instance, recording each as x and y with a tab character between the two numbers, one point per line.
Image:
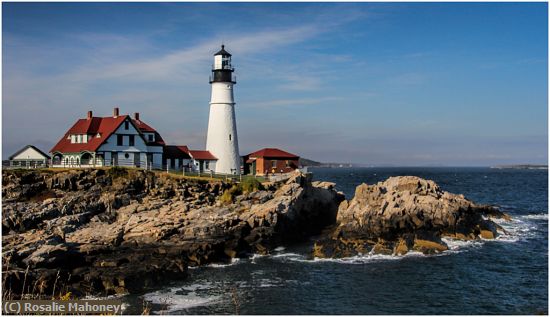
508	275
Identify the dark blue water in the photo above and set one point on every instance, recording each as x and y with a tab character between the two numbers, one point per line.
506	276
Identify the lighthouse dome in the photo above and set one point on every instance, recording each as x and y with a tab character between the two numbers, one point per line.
222	52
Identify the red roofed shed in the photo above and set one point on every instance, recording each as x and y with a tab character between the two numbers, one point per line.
270	161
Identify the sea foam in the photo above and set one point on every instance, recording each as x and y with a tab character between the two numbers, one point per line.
172	300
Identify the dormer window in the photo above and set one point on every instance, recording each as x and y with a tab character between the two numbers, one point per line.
151	137
98	135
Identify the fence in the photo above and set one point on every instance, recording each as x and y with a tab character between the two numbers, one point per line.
183	171
211	174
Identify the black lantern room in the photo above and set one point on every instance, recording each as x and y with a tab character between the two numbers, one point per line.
222	71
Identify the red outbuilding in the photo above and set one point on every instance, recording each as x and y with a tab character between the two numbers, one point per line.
270	161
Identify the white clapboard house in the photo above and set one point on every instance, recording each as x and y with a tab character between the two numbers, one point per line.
29	157
118	140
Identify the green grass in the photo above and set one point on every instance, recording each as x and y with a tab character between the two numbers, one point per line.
249	185
208	176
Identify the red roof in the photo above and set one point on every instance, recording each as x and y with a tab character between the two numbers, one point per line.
273	152
202	155
105	126
176	152
144	127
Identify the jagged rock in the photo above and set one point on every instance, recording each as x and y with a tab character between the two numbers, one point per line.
113	232
408	213
298	209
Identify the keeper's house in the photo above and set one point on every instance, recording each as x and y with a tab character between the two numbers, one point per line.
118	140
270	161
180	157
29	157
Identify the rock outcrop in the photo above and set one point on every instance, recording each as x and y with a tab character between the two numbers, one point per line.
403	214
109	231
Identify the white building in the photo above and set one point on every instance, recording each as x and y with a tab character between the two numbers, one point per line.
109	141
221	140
179	157
29	157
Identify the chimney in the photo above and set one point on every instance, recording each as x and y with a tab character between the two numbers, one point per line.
115	112
89	115
136	116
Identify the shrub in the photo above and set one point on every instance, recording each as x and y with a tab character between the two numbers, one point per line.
249	185
117	171
229	194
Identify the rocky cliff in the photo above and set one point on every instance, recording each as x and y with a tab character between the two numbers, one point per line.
403	214
116	231
108	231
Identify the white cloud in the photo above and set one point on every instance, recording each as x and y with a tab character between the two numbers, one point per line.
297	102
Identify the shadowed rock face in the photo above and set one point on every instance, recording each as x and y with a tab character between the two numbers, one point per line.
107	231
401	214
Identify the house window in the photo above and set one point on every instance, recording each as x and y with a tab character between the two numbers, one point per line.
207	165
151	136
287	163
274	164
131	141
230	137
126	125
119	139
126	155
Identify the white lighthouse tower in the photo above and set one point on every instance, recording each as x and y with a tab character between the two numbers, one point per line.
221	139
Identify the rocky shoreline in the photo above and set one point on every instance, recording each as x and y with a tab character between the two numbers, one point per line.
116	231
120	231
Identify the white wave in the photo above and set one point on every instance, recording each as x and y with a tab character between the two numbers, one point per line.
265	282
221	265
536	216
456	245
519	228
363	258
256	256
287	255
279	249
171	301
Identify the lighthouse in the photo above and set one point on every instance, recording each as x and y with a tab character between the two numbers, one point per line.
221	139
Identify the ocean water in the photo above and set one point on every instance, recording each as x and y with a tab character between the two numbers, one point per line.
505	276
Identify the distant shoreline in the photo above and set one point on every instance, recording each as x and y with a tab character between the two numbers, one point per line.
351	165
522	166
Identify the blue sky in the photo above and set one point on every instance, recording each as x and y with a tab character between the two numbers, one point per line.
372	83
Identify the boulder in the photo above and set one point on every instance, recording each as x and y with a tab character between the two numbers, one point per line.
407	213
